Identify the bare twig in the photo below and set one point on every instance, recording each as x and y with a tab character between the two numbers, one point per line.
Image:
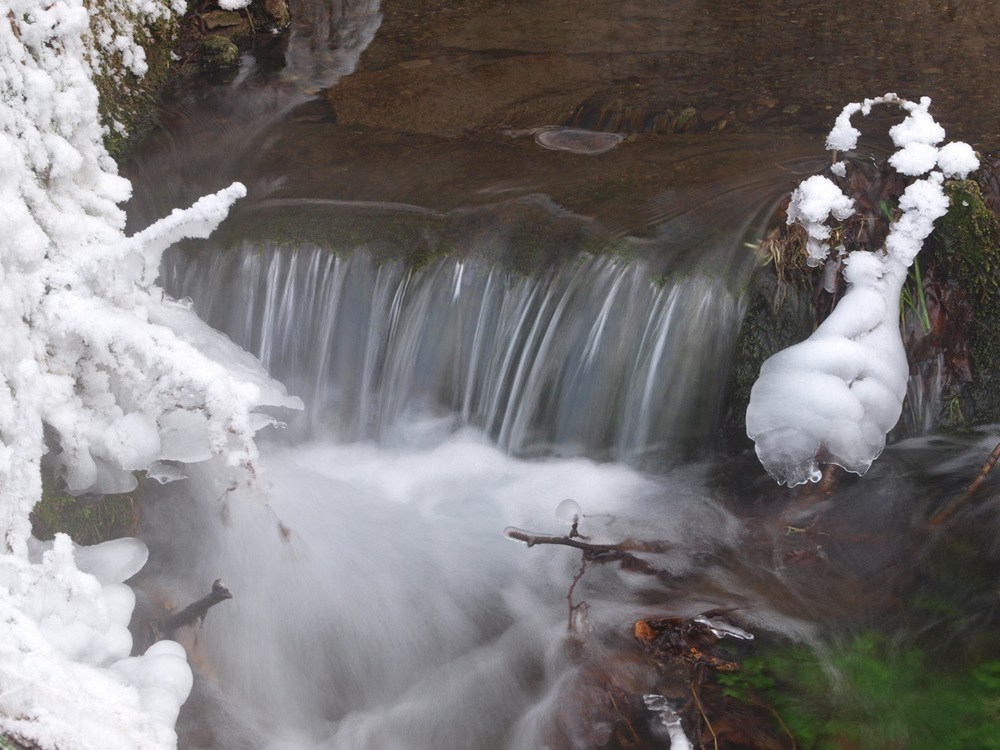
569	595
784	726
596	550
954	505
165	626
697	701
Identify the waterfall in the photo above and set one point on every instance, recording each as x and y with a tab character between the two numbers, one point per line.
377	602
590	358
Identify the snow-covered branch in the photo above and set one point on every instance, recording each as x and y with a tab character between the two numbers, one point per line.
122	376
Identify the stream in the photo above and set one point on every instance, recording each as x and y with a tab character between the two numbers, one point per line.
482	326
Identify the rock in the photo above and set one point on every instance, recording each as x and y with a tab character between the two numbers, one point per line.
577	140
218	51
277	13
221	19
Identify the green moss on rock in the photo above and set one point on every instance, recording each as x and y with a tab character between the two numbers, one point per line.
967	240
106	517
218	51
127	104
966	245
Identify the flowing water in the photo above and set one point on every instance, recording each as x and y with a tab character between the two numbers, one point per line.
475	344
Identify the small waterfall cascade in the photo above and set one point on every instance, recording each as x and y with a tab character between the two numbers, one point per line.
592	358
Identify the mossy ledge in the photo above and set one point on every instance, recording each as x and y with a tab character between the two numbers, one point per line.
87	520
965	251
128	102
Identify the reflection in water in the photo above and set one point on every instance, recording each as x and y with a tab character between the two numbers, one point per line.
218	132
326	40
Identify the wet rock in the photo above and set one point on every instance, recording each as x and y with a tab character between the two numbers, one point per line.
314	111
713	114
222	19
421	62
577	140
277	13
218	51
683	120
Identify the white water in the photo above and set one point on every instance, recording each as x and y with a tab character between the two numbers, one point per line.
377	602
394	613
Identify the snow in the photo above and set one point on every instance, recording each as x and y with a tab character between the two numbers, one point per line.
914	159
91	349
68	680
957	160
833	398
812	203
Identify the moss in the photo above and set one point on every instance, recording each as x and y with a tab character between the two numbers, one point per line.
966	246
871	692
218	51
127	104
967	240
270	14
386	234
524	236
107	517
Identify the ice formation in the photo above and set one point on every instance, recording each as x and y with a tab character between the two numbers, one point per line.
833	397
90	348
669	720
67	678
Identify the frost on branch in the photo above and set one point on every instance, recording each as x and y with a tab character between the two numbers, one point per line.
89	346
833	398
